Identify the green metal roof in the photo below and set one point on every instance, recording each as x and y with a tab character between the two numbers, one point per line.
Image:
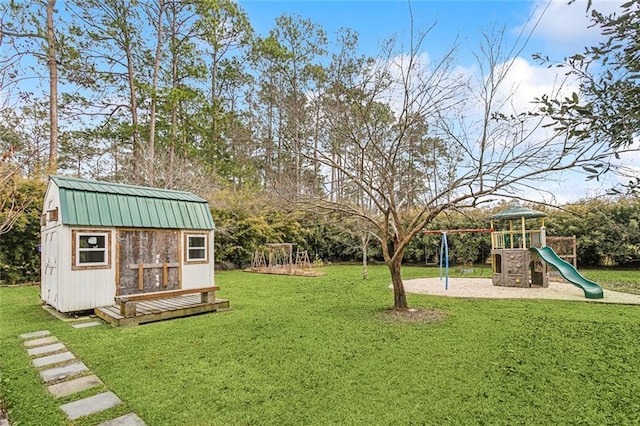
94	203
517	212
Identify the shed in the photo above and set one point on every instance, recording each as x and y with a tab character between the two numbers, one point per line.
101	240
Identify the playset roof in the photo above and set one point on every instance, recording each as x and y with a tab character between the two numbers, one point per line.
517	212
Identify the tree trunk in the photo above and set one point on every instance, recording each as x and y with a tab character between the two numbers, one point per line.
53	90
365	245
139	175
399	295
151	148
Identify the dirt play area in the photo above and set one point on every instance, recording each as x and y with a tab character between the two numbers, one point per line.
483	288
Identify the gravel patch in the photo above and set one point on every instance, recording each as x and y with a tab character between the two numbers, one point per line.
483	288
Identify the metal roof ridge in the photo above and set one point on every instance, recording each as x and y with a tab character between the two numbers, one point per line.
140	191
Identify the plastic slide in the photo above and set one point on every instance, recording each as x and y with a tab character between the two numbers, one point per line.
569	273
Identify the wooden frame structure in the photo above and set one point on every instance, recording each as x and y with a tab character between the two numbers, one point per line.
566	248
278	258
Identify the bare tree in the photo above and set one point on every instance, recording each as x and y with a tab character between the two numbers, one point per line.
416	140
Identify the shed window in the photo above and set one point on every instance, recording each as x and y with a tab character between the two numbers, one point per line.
91	249
196	247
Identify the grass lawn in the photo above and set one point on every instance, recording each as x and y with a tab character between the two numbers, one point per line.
306	351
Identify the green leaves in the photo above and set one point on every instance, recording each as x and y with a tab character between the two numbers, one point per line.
19	255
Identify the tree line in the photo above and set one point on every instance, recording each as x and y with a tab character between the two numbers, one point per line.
607	235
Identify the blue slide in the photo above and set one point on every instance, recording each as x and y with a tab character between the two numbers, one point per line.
569	273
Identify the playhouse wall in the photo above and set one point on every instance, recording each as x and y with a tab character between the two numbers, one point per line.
79	290
49	264
200	274
49	246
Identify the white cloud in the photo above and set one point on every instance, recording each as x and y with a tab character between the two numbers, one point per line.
528	81
567	27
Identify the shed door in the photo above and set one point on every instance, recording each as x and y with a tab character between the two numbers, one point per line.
49	267
148	261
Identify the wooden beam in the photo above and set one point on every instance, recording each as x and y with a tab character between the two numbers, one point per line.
164	294
165	274
153	265
140	277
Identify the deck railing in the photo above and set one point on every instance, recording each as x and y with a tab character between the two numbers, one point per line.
513	239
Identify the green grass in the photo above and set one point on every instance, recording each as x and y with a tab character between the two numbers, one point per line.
311	351
626	281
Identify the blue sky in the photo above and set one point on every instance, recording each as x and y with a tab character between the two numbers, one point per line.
562	30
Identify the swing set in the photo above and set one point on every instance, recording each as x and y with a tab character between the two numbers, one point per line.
444	246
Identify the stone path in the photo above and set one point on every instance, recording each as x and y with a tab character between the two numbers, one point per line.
65	375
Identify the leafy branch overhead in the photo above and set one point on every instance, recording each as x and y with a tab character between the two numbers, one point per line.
608	76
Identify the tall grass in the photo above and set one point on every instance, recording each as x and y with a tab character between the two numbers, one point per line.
296	350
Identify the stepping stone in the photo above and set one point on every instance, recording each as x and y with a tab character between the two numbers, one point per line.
53	359
93	404
58	373
41	342
130	419
35	334
86	324
41	350
75	385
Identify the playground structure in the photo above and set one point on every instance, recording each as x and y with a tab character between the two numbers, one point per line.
520	256
278	258
513	264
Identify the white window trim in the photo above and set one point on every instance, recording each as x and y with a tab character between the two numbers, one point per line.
106	249
188	257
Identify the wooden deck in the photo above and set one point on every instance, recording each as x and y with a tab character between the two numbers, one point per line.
161	309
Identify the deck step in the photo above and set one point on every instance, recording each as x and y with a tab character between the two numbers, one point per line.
161	309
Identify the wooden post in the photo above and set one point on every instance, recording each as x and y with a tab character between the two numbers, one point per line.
128	309
165	274
511	232
208	297
140	276
493	237
524	234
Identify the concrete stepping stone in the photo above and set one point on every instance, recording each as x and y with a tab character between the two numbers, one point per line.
47	349
35	334
58	373
86	324
91	405
130	419
41	342
53	359
74	385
